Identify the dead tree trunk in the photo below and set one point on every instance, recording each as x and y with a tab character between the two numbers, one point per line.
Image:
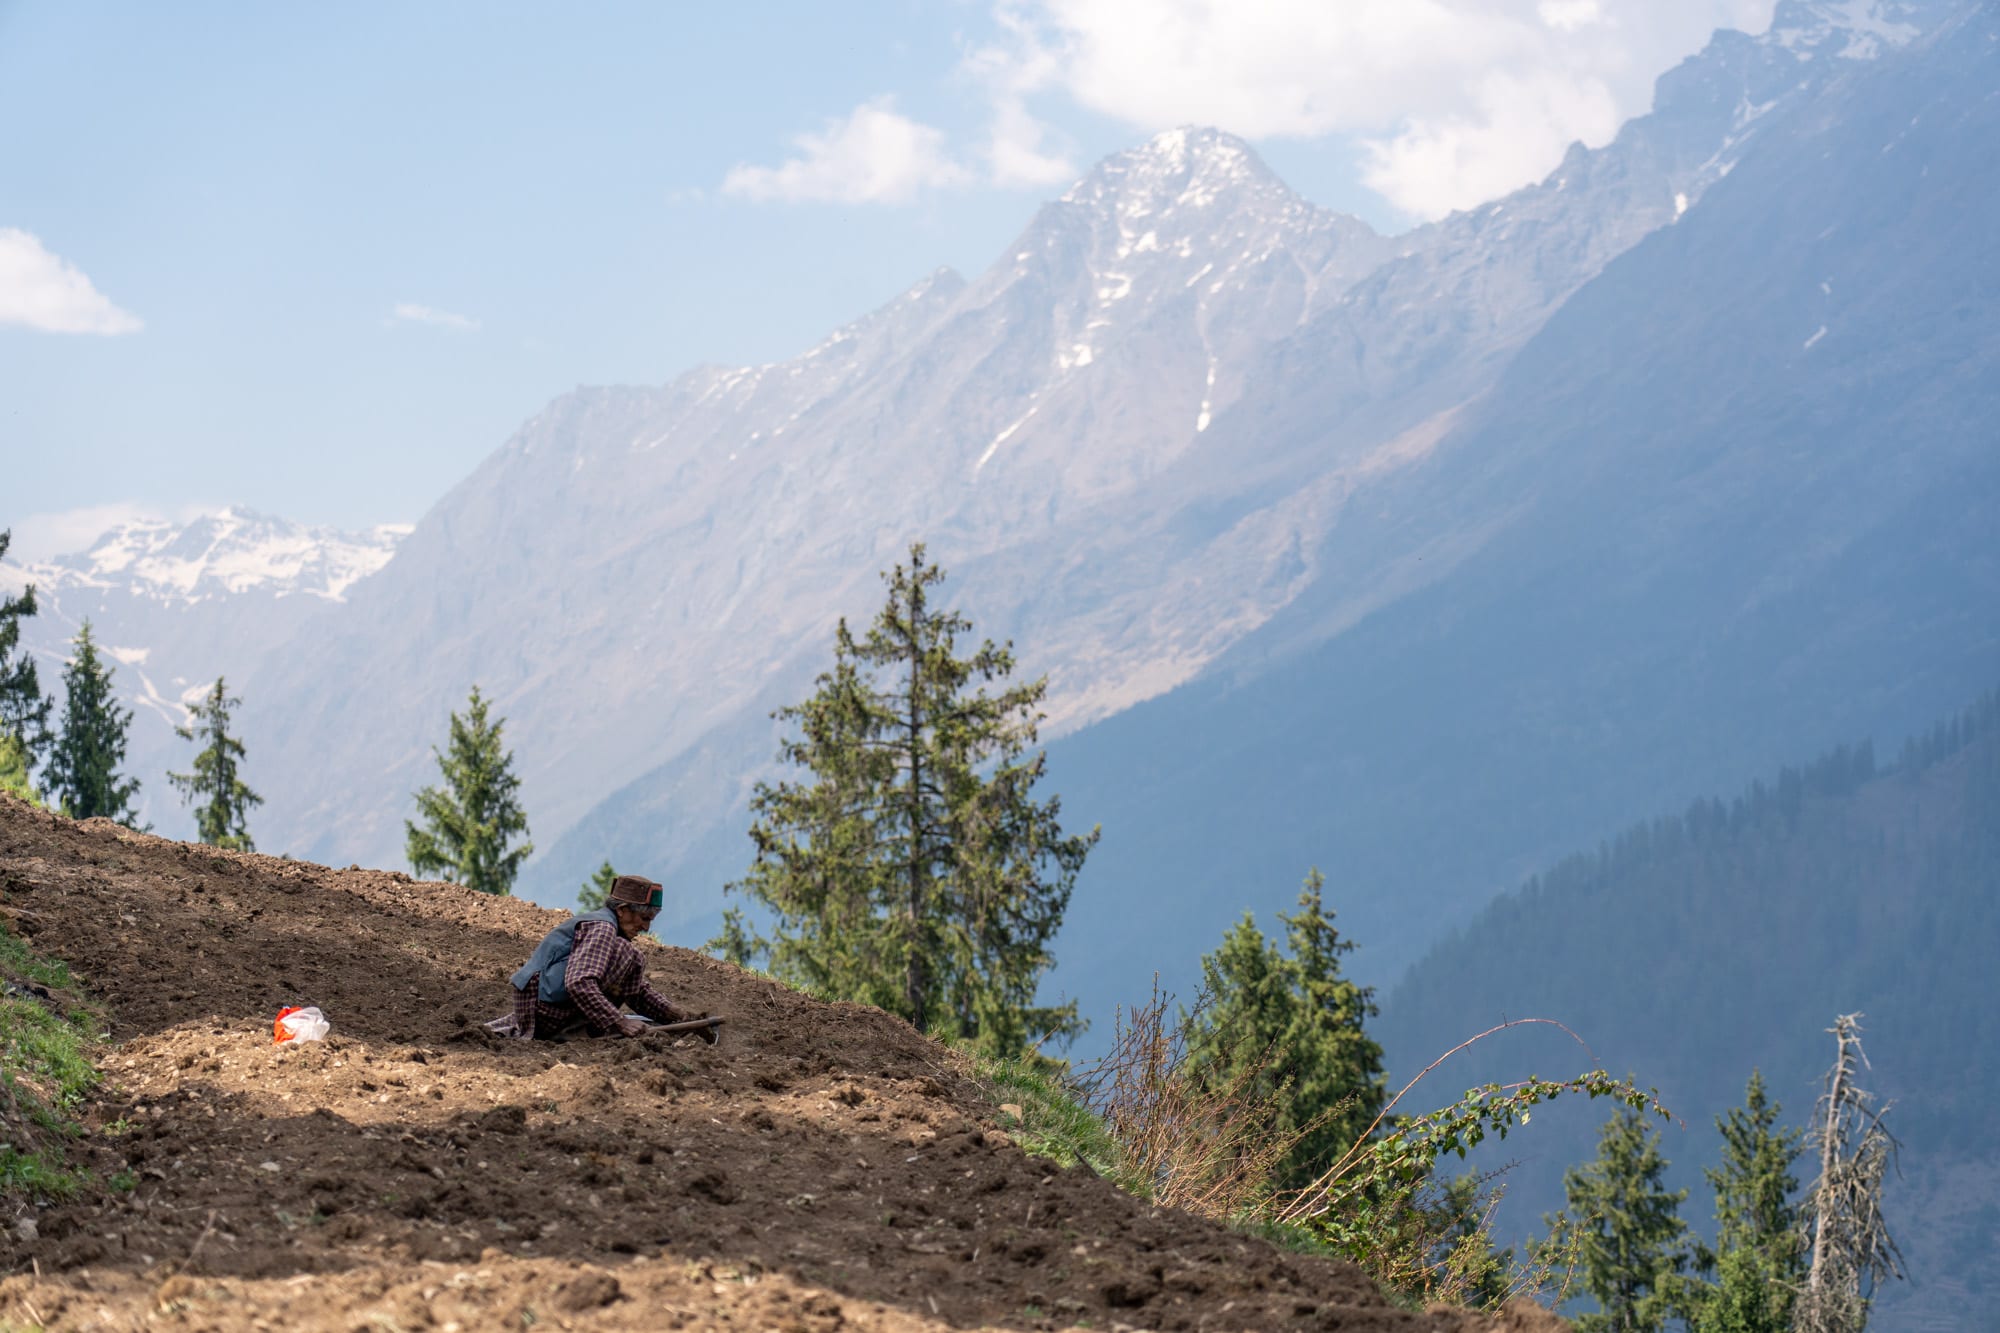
1851	1247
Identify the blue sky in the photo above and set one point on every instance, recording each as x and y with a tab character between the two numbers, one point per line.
322	260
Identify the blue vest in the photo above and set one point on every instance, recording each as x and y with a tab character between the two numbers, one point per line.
550	961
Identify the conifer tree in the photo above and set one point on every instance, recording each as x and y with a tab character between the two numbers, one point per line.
84	782
737	943
596	890
1299	1025
1760	1262
224	800
912	868
1631	1242
24	709
470	819
14	769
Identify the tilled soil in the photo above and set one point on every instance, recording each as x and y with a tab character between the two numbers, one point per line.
825	1167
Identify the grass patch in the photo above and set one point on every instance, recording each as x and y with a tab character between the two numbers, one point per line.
46	1072
18	960
1046	1116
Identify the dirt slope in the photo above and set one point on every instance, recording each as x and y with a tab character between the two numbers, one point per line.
824	1168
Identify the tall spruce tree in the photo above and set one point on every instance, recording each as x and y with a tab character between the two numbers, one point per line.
469	820
912	868
1290	1026
596	890
1632	1245
1760	1260
24	709
83	780
216	788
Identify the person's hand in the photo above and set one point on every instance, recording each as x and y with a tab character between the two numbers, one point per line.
629	1026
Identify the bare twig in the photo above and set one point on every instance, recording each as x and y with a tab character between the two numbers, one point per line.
201	1240
1360	1145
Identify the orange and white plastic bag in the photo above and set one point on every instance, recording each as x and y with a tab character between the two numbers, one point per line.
299	1024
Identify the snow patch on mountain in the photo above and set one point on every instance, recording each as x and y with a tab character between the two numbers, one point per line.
224	554
1846	29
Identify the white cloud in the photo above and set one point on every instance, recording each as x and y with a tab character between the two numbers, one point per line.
1452	101
1517	130
1017	153
407	312
1018	149
1569	15
875	156
39	537
40	290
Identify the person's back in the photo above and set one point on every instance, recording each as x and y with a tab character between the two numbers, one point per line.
585	971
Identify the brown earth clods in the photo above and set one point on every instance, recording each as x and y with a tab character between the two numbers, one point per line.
825	1167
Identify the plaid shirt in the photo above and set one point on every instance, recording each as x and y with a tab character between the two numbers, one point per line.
605	971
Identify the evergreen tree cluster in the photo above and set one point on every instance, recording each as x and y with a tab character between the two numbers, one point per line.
468	823
1683	944
1289	1026
913	867
1639	1262
1784	1261
84	776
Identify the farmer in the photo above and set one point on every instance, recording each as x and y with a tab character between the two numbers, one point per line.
586	968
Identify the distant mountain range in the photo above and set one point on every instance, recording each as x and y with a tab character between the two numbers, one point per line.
1731	503
229	554
1312	528
177	604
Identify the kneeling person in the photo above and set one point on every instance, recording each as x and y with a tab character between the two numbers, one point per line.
586	968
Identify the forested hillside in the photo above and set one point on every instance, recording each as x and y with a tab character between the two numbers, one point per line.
1733	503
1696	947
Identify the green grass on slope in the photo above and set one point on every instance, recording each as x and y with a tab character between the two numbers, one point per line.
45	1072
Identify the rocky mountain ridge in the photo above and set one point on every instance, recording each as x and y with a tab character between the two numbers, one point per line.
1129	439
228	553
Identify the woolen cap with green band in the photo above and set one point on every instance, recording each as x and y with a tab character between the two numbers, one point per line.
635	891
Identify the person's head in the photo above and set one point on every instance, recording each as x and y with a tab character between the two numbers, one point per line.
636	900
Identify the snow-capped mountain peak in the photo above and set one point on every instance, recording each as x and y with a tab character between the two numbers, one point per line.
1186	168
1193	220
233	551
1846	29
1191	192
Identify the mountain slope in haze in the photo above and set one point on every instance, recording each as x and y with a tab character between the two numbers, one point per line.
1695	948
633	567
1123	594
1188	426
1733	498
